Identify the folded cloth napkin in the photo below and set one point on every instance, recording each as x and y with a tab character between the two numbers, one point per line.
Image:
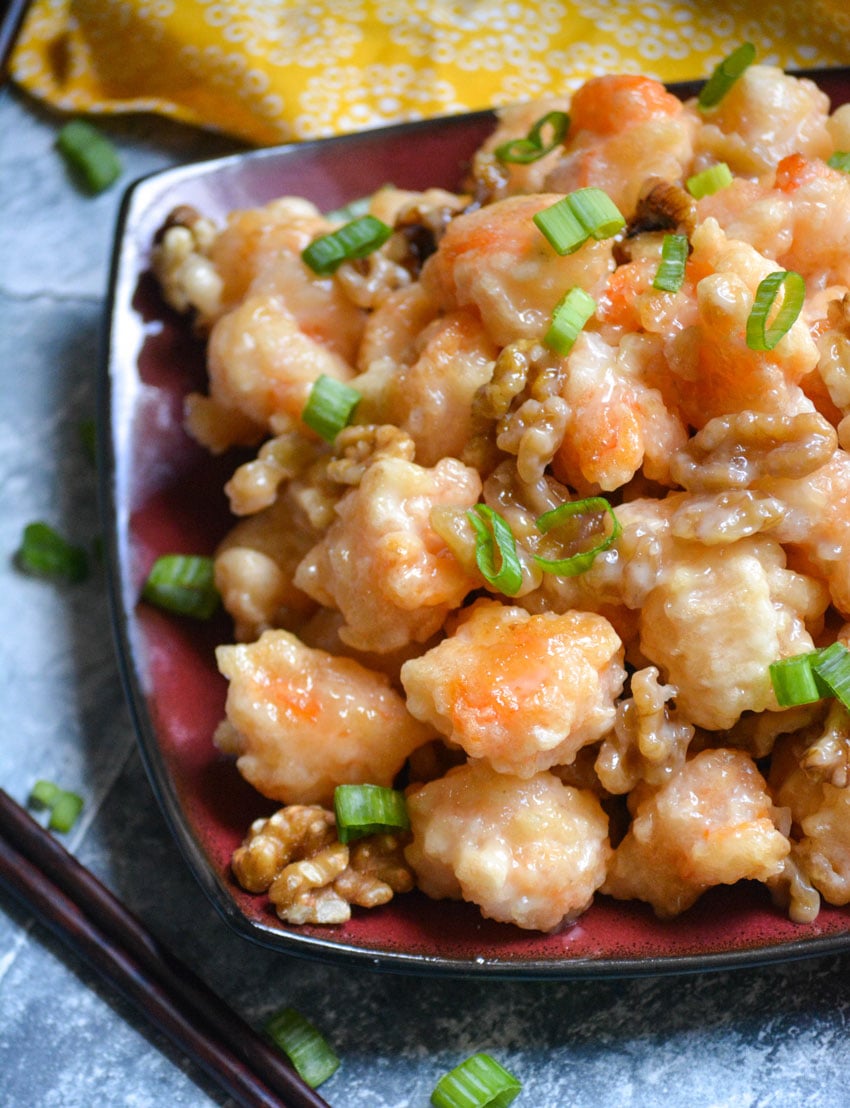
271	71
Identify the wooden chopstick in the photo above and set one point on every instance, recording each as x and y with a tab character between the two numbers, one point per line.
79	910
10	23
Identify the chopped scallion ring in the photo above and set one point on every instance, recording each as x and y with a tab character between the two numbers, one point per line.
64	806
507	578
762	335
362	810
840	160
91	156
711	180
832	666
479	1082
795	682
725	75
183	583
578	563
357	239
330	406
575	218
44	553
305	1046
569	317
671	271
525	150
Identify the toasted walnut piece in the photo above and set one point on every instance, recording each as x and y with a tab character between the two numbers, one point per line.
733	451
663	206
254	484
358	446
828	757
793	891
376	870
302	892
533	433
180	262
298	831
367	282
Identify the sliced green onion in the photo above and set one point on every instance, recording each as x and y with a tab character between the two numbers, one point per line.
305	1046
569	317
575	218
795	682
578	563
356	239
711	180
64	806
44	553
832	666
362	810
840	160
479	1082
671	271
91	156
330	406
183	583
507	578
533	146
726	74
760	334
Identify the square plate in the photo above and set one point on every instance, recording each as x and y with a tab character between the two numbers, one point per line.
162	493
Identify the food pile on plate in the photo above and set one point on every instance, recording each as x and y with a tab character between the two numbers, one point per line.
540	584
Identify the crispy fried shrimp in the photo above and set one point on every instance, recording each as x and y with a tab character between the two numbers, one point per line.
523	691
529	851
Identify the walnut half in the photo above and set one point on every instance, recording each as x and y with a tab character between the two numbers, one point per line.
310	876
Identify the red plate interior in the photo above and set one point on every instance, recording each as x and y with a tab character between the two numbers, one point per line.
162	494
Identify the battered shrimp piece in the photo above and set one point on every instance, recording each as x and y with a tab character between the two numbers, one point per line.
717	619
497	261
764	116
301	721
712	823
623	130
525	692
382	564
527	851
254	567
392	331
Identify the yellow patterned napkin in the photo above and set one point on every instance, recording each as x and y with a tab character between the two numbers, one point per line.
271	71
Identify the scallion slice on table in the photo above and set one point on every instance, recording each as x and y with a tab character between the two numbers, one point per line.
711	180
330	406
305	1046
357	239
839	160
495	550
183	583
580	562
523	151
362	810
569	317
91	155
479	1082
671	271
579	216
64	806
764	335
45	553
725	75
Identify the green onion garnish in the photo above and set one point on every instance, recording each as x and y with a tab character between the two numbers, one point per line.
330	406
479	1082
362	810
183	583
726	74
356	239
832	667
91	156
578	563
64	806
303	1044
488	539
44	553
570	315
671	271
529	149
840	160
760	335
711	180
577	217
795	682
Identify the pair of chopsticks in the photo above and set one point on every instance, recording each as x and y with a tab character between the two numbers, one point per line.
68	899
11	17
